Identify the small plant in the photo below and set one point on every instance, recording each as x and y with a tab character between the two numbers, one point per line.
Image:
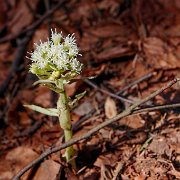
55	64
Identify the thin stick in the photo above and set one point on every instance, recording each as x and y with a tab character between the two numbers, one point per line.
160	107
77	125
107	92
125	113
143	78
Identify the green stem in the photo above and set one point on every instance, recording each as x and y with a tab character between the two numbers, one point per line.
65	123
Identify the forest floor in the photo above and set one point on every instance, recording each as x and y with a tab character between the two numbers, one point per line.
133	49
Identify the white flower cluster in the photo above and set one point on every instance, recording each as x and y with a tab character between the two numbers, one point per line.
58	53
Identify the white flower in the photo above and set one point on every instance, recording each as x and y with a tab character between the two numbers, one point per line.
41	54
70	40
70	45
56	37
76	65
57	53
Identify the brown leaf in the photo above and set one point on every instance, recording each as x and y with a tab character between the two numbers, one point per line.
6	56
43	96
40	34
84	108
83	10
174	31
49	169
140	177
108	30
22	16
108	159
134	121
175	173
72	88
94	71
6	52
159	54
87	42
17	158
110	108
24	119
114	52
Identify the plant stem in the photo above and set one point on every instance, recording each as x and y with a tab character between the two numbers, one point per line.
65	123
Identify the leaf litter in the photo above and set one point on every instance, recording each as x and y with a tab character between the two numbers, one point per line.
121	41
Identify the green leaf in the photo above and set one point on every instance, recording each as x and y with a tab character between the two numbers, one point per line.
77	98
45	81
48	111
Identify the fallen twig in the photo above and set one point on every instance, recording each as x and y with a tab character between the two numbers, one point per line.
125	113
117	171
160	107
143	78
107	92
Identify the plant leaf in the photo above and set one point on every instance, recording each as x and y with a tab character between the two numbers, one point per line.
48	111
43	81
77	98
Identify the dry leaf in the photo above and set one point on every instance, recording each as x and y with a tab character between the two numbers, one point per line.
84	108
134	121
40	34
22	16
43	96
115	52
110	108
18	158
72	88
159	54
140	177
93	72
48	170
109	30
